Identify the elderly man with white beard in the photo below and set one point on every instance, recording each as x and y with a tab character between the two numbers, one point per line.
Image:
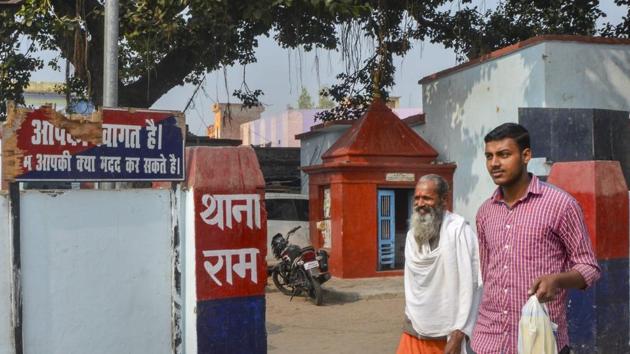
442	276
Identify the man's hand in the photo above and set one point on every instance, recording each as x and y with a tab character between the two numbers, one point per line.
548	286
545	287
454	344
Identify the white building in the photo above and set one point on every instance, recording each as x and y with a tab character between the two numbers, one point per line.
462	104
280	130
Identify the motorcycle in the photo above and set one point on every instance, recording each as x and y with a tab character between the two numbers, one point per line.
300	270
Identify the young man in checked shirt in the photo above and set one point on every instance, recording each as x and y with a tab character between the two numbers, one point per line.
532	240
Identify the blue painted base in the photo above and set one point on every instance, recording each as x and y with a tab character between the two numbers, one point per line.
598	317
232	326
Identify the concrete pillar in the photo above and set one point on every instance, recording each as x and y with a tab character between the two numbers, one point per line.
598	317
225	251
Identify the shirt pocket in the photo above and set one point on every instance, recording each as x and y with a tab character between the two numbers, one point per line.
532	242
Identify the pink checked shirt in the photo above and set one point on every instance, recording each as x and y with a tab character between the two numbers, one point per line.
542	233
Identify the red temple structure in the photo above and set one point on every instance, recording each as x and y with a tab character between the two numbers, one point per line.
361	196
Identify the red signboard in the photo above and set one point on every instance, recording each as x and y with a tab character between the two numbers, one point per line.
230	244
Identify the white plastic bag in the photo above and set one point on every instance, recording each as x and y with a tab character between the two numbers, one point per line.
535	329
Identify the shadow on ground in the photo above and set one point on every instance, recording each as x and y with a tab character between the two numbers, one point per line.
331	297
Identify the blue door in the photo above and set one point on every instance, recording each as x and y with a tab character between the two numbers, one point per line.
386	229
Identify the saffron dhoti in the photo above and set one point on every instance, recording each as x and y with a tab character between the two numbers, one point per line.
413	345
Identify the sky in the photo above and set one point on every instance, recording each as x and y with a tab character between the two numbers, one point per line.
281	73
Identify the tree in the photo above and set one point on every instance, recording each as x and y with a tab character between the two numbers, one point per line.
620	30
305	101
167	43
393	26
170	42
15	67
324	101
473	33
163	43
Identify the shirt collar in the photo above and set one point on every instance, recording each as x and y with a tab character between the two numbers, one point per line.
534	187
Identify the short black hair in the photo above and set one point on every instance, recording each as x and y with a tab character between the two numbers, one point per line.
512	131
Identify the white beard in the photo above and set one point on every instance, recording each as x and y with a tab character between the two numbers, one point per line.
426	227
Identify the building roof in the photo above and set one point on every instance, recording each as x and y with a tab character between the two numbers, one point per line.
42	87
237	107
379	134
520	46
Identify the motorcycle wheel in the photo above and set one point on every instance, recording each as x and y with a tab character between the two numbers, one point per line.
281	282
315	293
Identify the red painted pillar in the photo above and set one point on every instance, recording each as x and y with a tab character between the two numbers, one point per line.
598	320
336	263
230	245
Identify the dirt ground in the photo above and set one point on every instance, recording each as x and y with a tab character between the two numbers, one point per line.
363	326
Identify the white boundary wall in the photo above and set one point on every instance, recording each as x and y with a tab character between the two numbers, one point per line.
190	282
6	333
97	269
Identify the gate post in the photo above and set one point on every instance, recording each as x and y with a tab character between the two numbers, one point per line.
598	318
16	271
226	245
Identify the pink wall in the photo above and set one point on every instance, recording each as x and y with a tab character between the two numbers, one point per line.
281	129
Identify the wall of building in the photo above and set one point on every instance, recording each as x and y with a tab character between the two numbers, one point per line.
313	146
462	107
279	130
97	271
296	123
228	126
580	75
280	167
6	334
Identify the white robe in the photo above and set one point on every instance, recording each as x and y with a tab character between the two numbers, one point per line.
443	286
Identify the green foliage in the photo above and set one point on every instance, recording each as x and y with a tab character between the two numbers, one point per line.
249	98
620	30
391	27
324	100
16	65
473	33
75	90
165	43
305	101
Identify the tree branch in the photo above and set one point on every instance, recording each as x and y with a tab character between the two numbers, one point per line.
168	73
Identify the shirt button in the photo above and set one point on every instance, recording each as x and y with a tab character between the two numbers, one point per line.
507	246
505	290
505	333
507	226
505	312
504	267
